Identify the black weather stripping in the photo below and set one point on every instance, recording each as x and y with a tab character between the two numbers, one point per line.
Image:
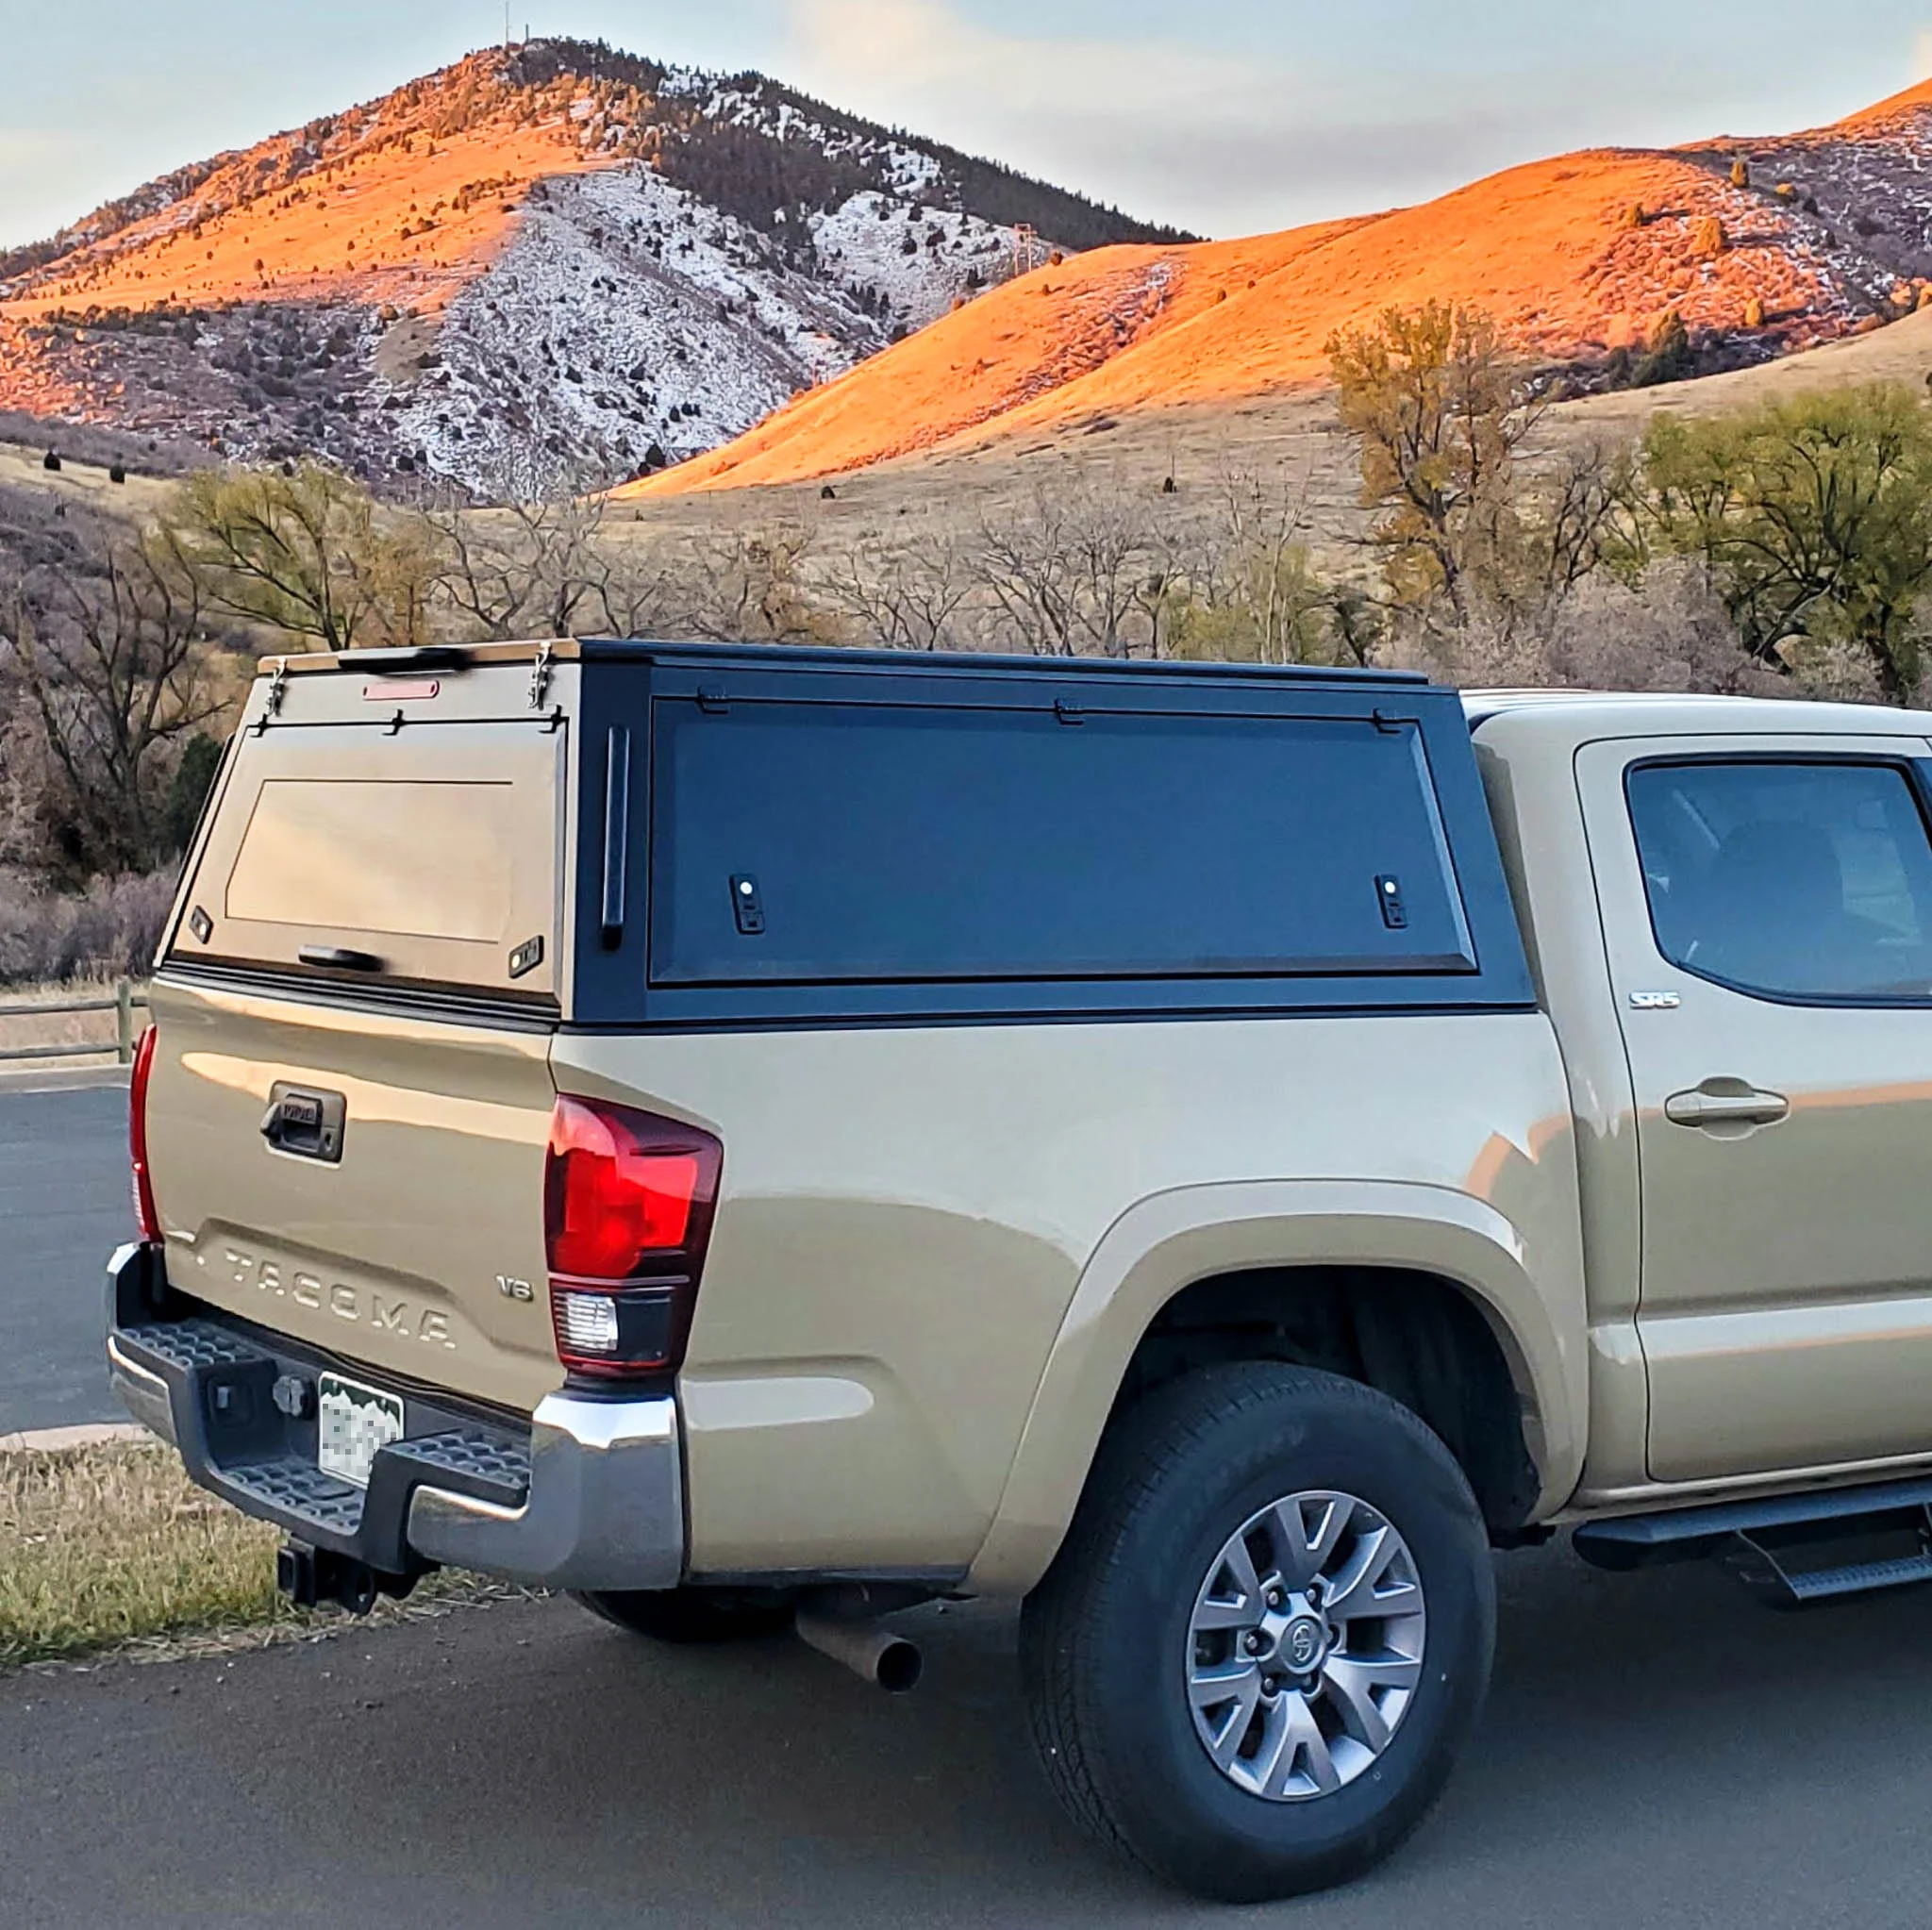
616	825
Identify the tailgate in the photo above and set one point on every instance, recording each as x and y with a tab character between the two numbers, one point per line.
351	1094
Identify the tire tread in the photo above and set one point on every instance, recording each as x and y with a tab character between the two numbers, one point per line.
1139	1457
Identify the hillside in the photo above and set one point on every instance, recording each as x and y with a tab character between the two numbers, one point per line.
1580	259
544	257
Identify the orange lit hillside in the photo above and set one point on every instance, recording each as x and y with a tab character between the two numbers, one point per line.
402	201
408	223
1549	249
1032	339
1888	114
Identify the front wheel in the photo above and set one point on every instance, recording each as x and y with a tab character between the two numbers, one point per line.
1268	1635
694	1616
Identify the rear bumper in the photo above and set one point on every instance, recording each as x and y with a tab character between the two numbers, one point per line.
589	1496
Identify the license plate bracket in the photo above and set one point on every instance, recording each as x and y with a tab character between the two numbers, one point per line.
353	1422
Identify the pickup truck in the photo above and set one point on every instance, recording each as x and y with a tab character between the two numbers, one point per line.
755	1137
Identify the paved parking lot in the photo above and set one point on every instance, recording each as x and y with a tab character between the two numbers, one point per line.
63	1209
1659	1751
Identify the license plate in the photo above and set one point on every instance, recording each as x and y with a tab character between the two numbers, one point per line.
351	1422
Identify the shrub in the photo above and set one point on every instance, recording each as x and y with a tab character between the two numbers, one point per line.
1634	216
1754	312
1710	238
1787	191
1741	173
111	928
1670	356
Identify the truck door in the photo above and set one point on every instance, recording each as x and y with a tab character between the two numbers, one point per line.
1767	908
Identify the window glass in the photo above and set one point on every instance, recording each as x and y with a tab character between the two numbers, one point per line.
403	858
1798	880
905	844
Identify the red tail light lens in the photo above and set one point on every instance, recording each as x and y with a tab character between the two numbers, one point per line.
145	1217
627	1205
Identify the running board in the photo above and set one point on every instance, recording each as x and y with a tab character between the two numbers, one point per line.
1788	1550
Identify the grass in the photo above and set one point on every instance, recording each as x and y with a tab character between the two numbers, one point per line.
105	1546
59	1028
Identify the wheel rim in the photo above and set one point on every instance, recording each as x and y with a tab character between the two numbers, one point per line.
1304	1648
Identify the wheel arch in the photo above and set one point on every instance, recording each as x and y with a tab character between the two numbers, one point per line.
1299	1236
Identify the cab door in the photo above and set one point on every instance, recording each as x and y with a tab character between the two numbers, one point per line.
1767	907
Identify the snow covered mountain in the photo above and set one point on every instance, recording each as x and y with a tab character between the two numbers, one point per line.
546	261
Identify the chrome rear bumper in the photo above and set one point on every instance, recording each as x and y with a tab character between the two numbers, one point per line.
591	1497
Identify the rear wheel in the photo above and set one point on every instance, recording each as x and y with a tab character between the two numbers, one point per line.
694	1616
1268	1635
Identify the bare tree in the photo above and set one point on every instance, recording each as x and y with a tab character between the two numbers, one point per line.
304	552
548	565
905	599
117	675
752	589
1267	573
1078	572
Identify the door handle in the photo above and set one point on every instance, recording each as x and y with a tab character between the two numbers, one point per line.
1704	1108
307	1123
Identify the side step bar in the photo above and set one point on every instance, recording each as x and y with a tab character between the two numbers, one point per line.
1789	1549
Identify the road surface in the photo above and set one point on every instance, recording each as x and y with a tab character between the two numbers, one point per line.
1659	1751
63	1209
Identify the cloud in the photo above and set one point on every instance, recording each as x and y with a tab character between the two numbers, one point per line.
1115	117
1201	139
927	47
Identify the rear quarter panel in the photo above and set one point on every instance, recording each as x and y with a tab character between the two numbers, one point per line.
934	1242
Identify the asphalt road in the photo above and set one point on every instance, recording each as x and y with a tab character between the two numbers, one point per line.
1659	1751
63	1209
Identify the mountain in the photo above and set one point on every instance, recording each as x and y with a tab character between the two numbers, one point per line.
548	259
1759	247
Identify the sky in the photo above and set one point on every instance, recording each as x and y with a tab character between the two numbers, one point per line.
1223	116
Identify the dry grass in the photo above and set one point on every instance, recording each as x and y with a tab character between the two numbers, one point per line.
101	1547
944	499
56	1027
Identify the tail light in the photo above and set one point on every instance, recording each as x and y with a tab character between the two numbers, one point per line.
628	1205
145	1217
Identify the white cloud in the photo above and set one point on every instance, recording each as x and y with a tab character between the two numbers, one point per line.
1142	121
927	47
1203	140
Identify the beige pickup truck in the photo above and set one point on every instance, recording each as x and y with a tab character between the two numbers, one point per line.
755	1137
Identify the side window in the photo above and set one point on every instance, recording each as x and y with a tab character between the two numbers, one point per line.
1796	880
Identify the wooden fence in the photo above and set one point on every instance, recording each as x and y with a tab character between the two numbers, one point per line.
127	999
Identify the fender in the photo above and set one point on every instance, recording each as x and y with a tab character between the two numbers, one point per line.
1534	1302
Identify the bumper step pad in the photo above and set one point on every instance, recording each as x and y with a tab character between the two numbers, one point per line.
237	1442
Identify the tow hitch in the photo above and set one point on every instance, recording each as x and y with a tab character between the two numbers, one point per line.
309	1576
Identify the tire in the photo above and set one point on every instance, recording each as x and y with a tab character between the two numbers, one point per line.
1115	1655
693	1618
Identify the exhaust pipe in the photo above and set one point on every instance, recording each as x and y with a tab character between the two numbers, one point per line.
878	1655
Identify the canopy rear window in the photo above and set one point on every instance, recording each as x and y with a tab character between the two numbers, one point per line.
401	858
428	854
905	844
